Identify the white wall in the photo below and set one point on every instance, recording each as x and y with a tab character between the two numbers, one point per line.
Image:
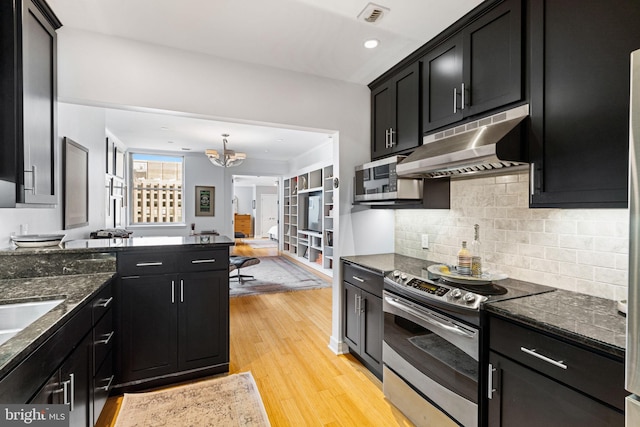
583	250
103	70
244	195
85	125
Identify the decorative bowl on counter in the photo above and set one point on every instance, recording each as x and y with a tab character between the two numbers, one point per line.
449	273
37	240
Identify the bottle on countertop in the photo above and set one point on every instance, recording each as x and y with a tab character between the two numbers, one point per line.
464	260
476	253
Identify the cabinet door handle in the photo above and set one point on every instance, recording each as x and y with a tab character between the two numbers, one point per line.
65	392
490	388
386	138
365	303
455	100
532	352
391	141
355	304
107	339
72	394
173	291
202	261
105	302
359	279
108	386
33	179
149	264
462	108
181	290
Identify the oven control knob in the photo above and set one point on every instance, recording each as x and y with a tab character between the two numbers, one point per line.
396	273
469	297
456	293
403	276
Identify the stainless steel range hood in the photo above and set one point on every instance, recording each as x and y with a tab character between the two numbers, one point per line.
492	144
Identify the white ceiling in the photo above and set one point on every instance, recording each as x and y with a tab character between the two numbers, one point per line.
319	37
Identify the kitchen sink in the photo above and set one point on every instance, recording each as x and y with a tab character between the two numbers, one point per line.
16	317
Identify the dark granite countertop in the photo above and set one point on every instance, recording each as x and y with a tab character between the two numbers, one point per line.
76	290
591	321
74	272
385	263
120	244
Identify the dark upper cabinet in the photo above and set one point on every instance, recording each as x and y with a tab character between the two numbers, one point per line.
580	101
28	102
395	118
493	59
475	70
442	85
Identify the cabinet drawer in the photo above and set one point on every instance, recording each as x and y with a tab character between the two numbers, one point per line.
102	303
215	259
102	383
591	373
363	279
146	263
103	338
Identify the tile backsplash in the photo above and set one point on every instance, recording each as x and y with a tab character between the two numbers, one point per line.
583	250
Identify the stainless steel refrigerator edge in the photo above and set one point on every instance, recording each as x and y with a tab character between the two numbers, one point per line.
632	359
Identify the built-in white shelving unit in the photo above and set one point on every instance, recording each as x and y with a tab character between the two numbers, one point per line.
310	243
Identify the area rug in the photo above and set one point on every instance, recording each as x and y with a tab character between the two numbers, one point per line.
232	400
275	274
261	243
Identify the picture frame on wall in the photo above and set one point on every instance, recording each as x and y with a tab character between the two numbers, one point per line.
75	164
205	200
110	157
119	162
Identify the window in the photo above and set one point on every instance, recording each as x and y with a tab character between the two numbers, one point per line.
156	189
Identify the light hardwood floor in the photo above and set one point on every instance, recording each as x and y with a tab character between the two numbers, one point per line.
283	340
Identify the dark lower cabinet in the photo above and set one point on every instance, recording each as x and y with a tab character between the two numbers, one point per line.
202	320
70	385
526	398
538	379
580	67
81	380
175	324
150	327
363	318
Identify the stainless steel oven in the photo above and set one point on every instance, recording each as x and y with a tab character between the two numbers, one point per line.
432	341
436	355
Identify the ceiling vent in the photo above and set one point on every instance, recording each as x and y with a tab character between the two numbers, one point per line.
372	13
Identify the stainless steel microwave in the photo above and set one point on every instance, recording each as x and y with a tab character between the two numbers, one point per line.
378	182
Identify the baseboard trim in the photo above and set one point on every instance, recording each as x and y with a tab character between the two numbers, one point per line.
337	346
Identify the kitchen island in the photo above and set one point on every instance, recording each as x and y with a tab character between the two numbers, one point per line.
108	288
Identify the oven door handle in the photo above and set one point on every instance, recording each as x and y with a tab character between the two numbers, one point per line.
429	318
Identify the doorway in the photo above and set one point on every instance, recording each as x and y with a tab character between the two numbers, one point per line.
258	196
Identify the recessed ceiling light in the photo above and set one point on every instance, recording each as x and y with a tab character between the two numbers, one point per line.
170	142
371	43
164	128
279	140
185	149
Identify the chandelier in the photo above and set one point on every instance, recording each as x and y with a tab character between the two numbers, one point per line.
227	158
